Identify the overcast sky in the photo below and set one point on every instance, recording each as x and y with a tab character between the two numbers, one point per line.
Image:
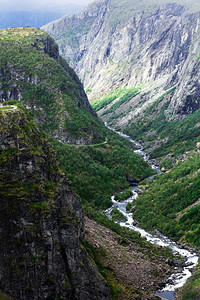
41	4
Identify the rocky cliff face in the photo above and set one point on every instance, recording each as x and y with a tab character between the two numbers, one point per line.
41	221
31	71
122	45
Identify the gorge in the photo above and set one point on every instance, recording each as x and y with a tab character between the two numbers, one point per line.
139	64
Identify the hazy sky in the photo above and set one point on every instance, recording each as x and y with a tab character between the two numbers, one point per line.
41	4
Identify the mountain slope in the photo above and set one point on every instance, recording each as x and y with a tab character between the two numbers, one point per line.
128	55
33	73
41	220
171	202
41	216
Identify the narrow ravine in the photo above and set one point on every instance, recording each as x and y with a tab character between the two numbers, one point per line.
181	273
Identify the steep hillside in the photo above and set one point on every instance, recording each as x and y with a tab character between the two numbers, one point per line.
128	55
170	202
41	219
32	72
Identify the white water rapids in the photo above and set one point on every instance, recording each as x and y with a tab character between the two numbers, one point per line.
181	275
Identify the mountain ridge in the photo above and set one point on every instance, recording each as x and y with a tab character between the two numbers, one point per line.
145	48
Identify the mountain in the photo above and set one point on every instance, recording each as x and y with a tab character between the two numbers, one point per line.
136	60
42	217
42	222
32	71
43	239
45	114
139	62
96	160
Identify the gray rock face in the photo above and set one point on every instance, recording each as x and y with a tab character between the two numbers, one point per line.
41	221
117	45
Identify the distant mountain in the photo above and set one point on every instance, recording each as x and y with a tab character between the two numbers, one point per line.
132	55
22	18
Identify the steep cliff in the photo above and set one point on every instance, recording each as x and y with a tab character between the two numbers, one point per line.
41	220
115	46
32	72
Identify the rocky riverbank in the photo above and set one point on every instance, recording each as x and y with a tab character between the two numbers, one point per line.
127	264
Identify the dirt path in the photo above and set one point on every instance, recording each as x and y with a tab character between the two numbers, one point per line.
7	107
77	146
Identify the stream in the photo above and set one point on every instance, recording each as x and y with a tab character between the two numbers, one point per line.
181	273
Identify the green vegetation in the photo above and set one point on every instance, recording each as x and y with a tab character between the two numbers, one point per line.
48	85
123	195
117	215
102	103
97	255
191	290
129	206
167	163
32	143
178	136
122	94
97	172
171	204
127	96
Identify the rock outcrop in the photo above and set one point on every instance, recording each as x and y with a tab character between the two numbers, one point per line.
124	45
41	221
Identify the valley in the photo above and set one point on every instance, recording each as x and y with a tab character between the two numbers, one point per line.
77	196
140	68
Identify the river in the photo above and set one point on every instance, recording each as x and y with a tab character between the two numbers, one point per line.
181	274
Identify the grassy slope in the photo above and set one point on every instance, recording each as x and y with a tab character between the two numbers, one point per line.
174	137
171	202
172	205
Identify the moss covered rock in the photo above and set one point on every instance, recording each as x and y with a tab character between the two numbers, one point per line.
41	220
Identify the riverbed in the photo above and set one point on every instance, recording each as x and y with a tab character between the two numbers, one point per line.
181	274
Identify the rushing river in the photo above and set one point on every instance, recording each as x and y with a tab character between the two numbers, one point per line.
181	274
